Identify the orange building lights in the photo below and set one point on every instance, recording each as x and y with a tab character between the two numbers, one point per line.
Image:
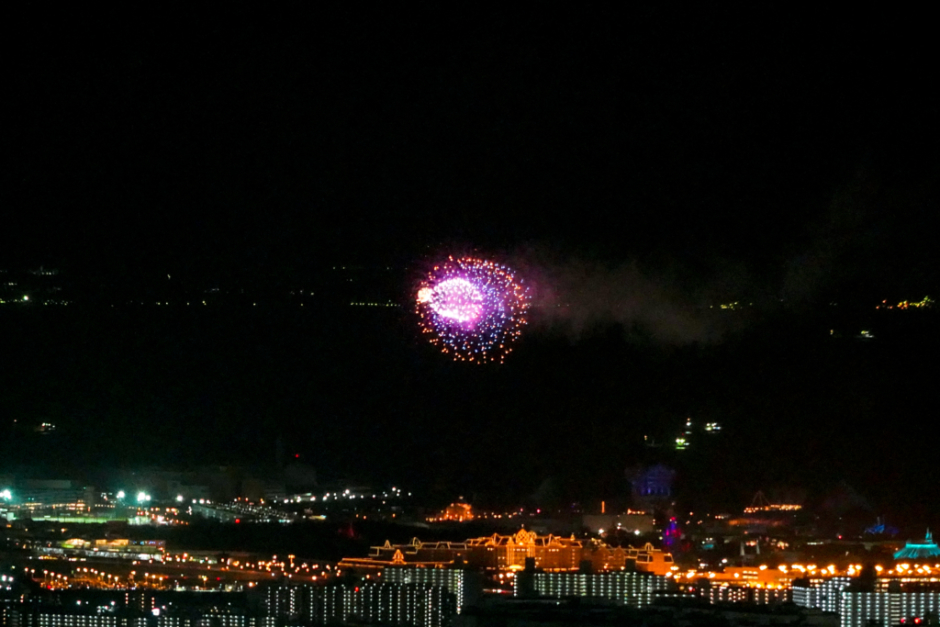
509	552
455	512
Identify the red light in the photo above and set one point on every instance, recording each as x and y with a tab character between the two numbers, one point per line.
297	455
238	520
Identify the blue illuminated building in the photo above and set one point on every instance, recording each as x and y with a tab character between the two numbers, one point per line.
917	550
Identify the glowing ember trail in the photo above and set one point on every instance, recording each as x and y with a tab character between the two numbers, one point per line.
472	309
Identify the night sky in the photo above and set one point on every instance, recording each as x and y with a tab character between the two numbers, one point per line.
638	166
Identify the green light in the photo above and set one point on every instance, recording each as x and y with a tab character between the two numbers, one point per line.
927	548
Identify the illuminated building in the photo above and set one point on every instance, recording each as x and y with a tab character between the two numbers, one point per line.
465	585
282	604
65	618
291	602
820	593
754	576
622	587
139	601
494	552
919	550
748	594
455	512
65	494
671	533
115	547
762	515
49	618
880	528
774	507
415	553
383	602
510	552
631	522
891	607
645	559
652	487
761	505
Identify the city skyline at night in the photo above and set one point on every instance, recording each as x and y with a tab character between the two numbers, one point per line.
630	305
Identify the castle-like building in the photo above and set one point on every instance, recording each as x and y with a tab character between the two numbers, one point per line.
509	552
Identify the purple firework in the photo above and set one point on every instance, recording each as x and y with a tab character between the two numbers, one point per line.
472	309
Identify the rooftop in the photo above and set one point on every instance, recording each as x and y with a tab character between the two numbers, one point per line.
915	550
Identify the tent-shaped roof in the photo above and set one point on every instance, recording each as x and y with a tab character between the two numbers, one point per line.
916	550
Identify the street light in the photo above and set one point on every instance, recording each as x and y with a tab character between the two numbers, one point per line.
121	494
6	495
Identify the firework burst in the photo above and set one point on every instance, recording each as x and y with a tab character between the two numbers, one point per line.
472	309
